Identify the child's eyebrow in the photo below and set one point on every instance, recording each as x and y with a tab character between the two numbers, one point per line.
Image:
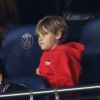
36	34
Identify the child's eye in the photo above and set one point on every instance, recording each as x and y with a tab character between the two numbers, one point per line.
37	35
44	33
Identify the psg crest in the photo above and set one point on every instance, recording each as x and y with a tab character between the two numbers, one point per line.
27	40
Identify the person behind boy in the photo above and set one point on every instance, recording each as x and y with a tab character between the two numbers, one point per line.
60	61
9	87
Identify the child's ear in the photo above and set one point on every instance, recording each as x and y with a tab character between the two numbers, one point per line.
58	35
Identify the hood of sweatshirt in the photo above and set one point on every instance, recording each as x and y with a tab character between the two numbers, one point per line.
73	49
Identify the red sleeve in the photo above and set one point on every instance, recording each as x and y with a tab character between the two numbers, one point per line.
42	66
59	74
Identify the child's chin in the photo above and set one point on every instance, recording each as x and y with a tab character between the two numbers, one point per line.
44	48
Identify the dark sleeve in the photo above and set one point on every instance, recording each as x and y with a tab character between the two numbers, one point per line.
13	88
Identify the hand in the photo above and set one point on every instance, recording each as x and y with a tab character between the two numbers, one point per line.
37	71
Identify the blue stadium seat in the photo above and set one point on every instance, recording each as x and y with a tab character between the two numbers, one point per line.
21	55
91	58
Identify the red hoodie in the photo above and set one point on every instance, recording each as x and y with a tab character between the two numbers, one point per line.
61	66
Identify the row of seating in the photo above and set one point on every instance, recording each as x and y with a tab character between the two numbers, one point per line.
21	55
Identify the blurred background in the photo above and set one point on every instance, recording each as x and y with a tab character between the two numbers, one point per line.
15	12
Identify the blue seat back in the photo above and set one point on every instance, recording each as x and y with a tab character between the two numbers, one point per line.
21	56
91	59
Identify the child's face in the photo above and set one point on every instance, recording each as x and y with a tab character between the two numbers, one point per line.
48	40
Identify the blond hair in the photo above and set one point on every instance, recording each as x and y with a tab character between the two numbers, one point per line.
53	24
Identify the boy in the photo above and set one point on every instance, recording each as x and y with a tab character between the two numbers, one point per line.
60	62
